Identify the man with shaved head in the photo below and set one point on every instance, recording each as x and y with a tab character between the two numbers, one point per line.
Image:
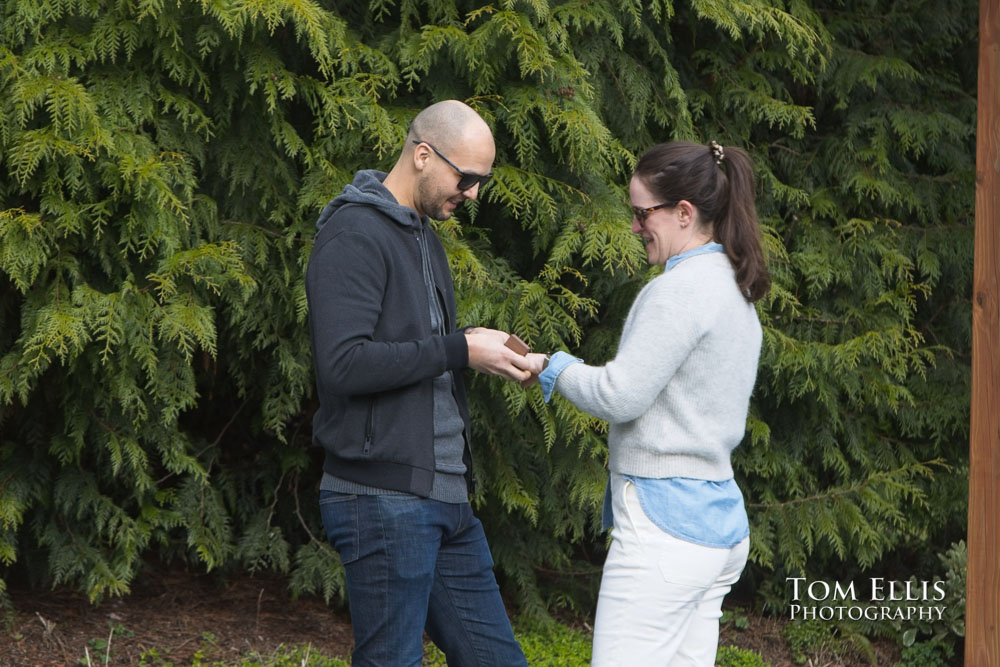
393	418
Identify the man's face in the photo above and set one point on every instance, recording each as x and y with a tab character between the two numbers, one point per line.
436	193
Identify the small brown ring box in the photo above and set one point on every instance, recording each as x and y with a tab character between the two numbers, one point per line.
517	345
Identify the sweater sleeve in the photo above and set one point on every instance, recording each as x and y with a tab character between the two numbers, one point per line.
664	325
345	281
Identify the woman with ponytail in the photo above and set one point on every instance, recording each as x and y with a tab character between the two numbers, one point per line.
676	397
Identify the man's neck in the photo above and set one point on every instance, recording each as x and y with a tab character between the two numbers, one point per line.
399	187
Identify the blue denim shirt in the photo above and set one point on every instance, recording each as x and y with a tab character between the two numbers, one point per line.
700	511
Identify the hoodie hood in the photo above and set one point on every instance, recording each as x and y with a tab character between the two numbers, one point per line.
367	189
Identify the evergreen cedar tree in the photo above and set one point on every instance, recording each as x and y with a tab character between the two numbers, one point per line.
163	165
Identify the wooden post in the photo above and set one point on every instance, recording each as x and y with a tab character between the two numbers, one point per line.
982	612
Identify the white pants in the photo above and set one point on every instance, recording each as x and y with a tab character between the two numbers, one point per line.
661	597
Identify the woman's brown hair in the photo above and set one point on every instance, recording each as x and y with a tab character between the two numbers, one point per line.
719	182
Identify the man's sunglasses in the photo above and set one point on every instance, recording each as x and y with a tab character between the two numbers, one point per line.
641	213
466	180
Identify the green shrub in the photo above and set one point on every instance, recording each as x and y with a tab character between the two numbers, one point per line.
940	629
811	638
555	646
162	165
948	630
731	656
736	617
926	654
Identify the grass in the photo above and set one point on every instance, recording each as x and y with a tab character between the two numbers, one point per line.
560	647
283	656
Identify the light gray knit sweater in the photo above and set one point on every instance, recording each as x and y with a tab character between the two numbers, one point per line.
677	393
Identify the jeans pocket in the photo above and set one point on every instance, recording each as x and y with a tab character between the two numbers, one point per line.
339	512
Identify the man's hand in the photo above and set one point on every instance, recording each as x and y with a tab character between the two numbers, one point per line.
488	354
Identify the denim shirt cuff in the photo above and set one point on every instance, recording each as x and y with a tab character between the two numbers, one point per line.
557	363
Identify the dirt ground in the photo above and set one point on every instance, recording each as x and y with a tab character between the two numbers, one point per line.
175	613
178	614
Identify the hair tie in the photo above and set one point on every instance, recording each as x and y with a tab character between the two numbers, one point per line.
717	152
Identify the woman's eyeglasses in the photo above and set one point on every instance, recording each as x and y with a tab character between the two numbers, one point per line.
641	213
466	180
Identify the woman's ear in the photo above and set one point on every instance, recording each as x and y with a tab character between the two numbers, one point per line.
685	212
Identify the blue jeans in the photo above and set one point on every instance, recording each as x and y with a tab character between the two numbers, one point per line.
415	564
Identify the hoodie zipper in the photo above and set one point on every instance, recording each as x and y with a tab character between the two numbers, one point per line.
369	428
429	283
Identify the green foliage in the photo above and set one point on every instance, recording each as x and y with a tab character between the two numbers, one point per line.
736	617
942	632
926	654
731	656
948	630
821	641
283	656
101	650
163	165
811	638
555	646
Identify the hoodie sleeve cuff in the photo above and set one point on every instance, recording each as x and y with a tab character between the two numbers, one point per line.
557	364
456	351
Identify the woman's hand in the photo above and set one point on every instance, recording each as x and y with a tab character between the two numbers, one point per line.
536	364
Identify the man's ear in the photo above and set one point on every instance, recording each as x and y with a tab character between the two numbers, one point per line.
421	154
